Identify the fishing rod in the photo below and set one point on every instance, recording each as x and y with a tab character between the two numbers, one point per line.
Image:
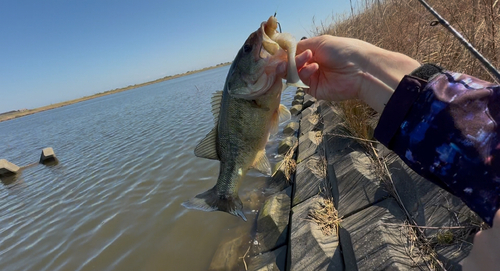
489	67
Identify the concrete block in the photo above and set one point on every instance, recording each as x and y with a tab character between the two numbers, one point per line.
297	101
295	110
332	120
308	101
339	146
310	179
278	180
309	248
452	255
291	128
272	223
310	110
48	157
7	168
310	122
358	185
310	143
378	244
273	260
286	144
431	206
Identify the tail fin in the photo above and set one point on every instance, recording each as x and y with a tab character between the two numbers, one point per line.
209	201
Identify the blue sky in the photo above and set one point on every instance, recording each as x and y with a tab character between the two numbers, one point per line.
56	50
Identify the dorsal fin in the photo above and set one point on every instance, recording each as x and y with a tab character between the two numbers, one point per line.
261	163
284	114
207	148
216	100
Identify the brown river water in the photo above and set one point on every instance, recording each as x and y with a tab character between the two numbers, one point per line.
114	200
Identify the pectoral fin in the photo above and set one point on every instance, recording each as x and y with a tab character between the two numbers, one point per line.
207	148
261	163
284	113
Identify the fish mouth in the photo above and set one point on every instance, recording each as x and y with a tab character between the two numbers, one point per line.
268	58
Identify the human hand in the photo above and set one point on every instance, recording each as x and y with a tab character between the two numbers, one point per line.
485	254
331	66
337	69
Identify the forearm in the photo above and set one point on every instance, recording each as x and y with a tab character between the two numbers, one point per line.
445	130
383	71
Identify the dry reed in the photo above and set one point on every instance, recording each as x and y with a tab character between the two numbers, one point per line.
288	165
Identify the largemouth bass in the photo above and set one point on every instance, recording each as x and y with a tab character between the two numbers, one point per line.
245	113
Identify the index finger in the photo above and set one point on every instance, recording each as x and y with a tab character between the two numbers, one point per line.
311	43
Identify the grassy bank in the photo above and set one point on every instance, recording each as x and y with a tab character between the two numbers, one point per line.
405	26
18	114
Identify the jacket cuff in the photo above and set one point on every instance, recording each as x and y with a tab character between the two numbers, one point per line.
397	108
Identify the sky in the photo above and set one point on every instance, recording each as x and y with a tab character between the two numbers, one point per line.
57	50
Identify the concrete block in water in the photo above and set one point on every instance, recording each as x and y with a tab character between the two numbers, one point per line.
310	249
227	256
48	157
7	168
272	222
295	110
297	101
377	239
299	95
273	260
286	144
291	128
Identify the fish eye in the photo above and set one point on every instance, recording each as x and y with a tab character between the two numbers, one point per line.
247	48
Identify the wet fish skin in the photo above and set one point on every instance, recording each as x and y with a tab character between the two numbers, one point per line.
246	112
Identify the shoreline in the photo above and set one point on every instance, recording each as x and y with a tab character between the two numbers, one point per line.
18	114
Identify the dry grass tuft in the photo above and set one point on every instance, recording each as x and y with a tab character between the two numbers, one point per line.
317	166
326	216
358	120
288	165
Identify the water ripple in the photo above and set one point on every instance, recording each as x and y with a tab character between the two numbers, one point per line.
126	165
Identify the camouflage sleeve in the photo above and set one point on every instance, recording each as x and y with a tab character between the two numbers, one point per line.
447	131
